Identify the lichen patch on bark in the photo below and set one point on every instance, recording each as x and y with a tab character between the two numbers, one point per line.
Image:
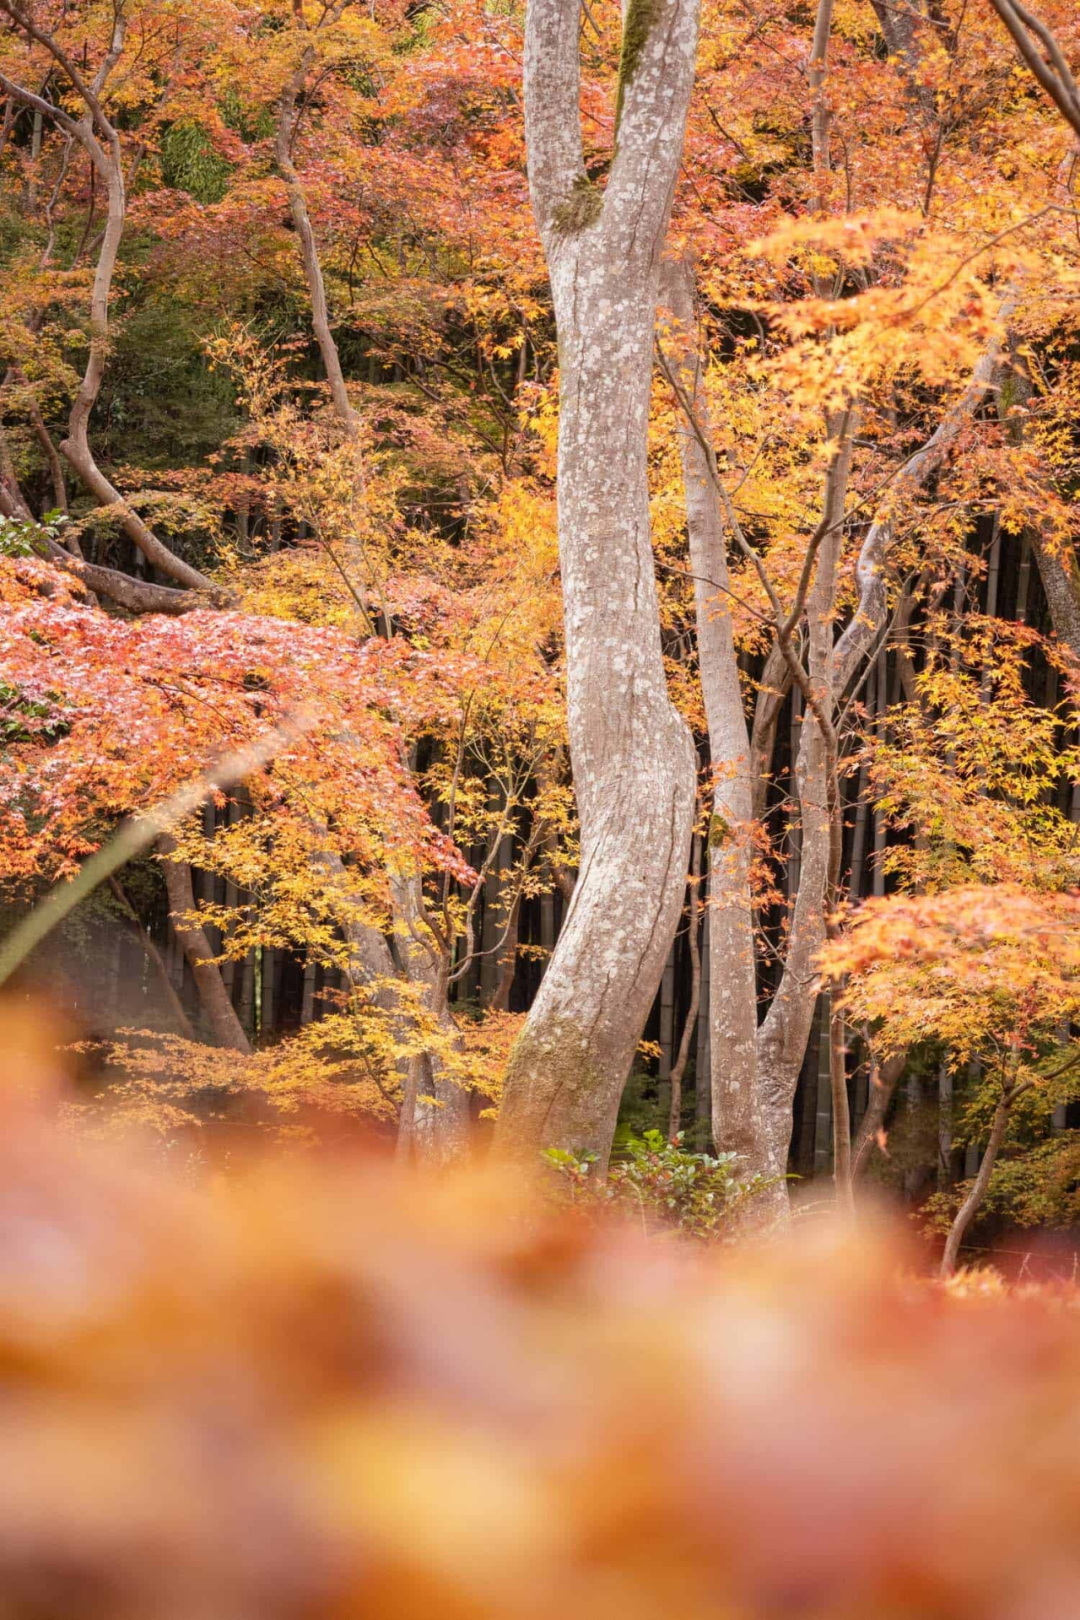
719	831
581	209
641	15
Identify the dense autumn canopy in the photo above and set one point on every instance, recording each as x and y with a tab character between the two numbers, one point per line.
610	484
539	809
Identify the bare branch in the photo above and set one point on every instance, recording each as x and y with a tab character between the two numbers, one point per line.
1050	69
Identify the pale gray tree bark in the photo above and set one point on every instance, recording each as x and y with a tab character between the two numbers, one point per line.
783	1036
732	999
785	1031
1061	582
632	756
755	1070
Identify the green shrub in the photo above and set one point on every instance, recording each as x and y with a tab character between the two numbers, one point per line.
664	1184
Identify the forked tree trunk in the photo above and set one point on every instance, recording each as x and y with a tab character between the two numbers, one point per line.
633	761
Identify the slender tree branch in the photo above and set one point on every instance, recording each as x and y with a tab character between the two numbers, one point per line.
1054	74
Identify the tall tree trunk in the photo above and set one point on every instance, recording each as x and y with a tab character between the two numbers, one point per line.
883	1081
1054	555
736	1114
820	1066
783	1037
678	1068
434	1121
227	1028
977	1192
508	957
667	1019
496	918
632	756
703	1131
1061	582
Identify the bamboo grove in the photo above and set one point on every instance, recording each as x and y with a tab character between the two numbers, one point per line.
589	501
